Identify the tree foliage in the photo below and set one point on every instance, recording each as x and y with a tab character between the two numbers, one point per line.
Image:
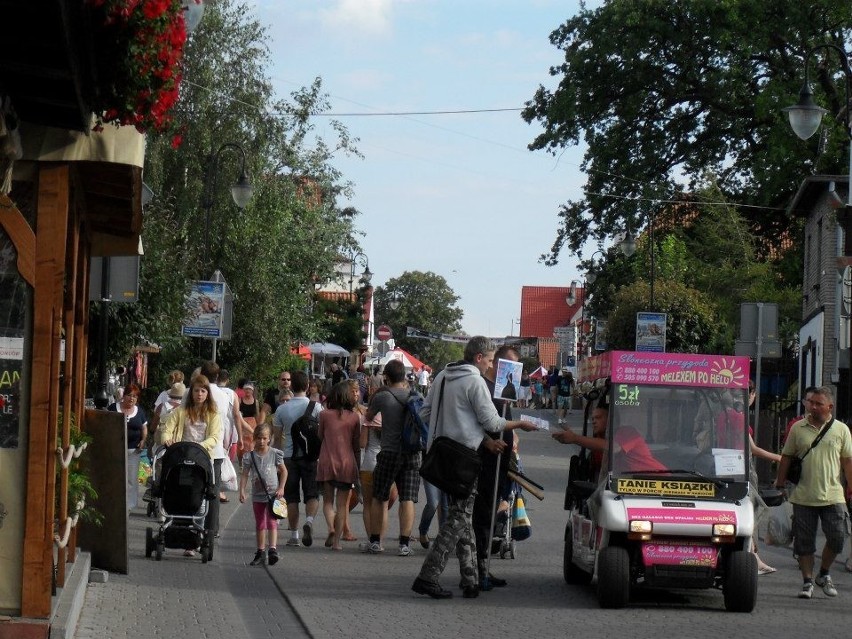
271	253
704	246
691	324
661	92
426	302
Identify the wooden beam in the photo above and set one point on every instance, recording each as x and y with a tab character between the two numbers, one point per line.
51	233
22	236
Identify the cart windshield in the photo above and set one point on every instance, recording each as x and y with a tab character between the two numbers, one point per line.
668	430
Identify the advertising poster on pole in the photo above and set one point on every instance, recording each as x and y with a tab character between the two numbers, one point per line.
651	332
204	310
507	379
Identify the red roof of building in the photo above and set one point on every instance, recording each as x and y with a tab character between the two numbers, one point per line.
544	307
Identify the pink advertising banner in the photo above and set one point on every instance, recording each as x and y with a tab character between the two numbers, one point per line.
654	554
678	369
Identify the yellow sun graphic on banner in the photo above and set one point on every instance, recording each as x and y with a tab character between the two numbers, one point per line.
728	372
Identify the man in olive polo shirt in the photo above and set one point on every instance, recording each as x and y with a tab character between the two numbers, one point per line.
820	495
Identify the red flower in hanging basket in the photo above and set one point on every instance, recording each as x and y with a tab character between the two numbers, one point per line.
141	43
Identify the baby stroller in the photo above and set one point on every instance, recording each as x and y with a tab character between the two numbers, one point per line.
183	484
502	544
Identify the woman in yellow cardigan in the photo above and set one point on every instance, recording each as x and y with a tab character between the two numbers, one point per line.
196	420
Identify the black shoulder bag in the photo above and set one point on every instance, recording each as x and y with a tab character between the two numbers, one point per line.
794	473
448	464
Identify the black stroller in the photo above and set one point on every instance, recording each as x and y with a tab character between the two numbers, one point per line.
183	484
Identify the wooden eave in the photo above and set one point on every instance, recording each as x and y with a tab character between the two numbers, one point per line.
47	62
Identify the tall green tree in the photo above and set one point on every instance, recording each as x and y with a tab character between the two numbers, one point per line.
663	91
703	245
272	252
424	301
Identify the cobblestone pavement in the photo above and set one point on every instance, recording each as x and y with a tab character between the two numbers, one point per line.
315	592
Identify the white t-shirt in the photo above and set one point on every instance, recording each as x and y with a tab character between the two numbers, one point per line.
223	405
162	398
229	428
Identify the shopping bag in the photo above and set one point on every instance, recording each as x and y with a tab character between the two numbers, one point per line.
229	475
779	528
521	528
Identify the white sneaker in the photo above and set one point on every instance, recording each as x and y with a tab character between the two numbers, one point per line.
827	585
293	542
807	590
375	548
405	551
561	421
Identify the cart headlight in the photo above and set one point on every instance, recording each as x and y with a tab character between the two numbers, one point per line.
640	529
641	526
724	533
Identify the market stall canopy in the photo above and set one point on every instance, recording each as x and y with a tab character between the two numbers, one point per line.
327	349
538	373
408	360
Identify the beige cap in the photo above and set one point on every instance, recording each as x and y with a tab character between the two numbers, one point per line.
177	391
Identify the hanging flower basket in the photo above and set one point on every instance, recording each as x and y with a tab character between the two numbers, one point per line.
140	46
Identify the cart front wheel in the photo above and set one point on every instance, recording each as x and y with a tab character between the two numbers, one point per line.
740	585
614	577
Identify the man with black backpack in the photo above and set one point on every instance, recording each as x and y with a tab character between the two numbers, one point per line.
393	463
297	422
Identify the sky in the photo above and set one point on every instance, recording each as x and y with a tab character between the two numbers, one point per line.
459	194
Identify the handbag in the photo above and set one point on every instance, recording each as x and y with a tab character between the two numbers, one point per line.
277	506
448	464
794	472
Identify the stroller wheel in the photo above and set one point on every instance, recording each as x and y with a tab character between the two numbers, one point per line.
158	552
205	552
149	542
512	549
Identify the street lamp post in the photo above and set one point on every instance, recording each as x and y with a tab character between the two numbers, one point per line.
805	118
571	299
628	248
592	273
366	276
241	192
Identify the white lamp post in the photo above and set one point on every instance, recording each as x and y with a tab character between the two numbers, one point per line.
805	116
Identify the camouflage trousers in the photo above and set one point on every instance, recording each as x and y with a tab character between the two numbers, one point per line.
456	533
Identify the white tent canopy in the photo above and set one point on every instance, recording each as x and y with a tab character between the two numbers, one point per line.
327	349
323	353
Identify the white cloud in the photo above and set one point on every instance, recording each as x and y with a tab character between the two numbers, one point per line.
359	17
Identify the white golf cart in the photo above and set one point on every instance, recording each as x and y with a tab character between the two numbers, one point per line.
670	505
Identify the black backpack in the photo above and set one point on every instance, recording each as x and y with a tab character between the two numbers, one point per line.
305	435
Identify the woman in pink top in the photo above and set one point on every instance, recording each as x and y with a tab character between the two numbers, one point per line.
337	466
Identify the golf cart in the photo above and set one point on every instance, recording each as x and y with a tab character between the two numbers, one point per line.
668	504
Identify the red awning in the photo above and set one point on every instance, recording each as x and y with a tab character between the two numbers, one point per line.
302	351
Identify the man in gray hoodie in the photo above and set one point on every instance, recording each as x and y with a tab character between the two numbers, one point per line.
465	414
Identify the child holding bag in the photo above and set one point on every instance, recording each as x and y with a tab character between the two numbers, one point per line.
265	466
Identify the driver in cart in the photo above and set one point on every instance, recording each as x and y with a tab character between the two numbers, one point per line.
630	451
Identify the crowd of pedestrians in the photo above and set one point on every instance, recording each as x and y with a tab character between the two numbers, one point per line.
358	418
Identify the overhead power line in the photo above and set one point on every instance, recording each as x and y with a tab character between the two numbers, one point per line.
387	113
